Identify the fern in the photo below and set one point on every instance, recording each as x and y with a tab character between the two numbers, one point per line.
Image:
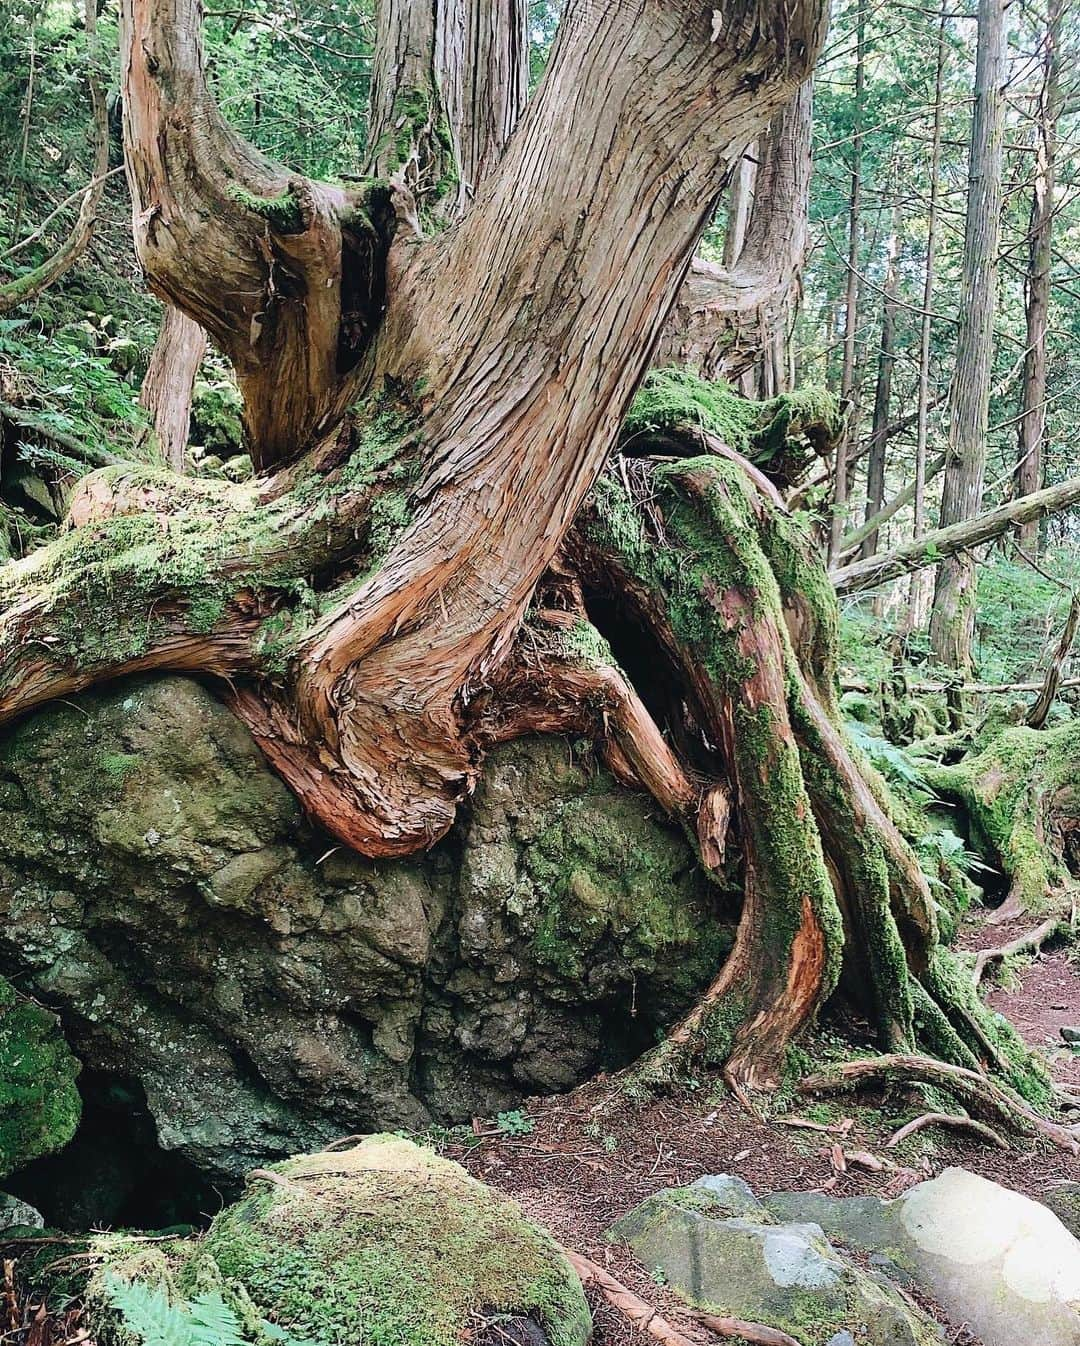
147	1314
152	1320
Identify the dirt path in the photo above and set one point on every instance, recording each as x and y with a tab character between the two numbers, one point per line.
595	1154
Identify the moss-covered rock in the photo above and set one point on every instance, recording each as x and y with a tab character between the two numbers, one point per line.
39	1103
385	1243
266	991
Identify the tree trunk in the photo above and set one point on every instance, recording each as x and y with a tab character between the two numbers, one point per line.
875	463
919	593
727	318
848	381
1032	427
167	387
953	616
418	579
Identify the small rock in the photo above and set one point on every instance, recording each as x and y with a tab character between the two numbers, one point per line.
1070	1035
1064	1201
16	1214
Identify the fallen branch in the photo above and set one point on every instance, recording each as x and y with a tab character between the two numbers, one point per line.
1031	939
86	453
976	688
946	1119
975	1091
944	542
28	287
850	542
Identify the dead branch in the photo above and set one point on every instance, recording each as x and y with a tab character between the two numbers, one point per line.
28	287
977	1093
1037	715
945	542
1030	940
946	1119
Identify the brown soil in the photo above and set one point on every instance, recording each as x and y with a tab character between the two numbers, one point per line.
596	1153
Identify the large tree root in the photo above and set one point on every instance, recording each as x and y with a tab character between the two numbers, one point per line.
978	1094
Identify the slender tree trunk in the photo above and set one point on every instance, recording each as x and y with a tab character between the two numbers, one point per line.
1032	427
919	592
953	615
167	388
848	379
879	434
740	202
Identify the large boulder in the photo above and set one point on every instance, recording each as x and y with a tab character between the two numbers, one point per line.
719	1248
384	1243
991	1257
264	990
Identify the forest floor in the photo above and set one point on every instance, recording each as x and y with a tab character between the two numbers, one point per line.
595	1154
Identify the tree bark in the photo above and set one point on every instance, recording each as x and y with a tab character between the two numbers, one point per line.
953	615
167	388
727	317
849	380
1032	427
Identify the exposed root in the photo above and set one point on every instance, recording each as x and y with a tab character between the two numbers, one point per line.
975	1091
1031	941
948	1119
647	1319
642	1315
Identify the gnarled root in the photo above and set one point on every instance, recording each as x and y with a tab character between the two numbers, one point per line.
977	1093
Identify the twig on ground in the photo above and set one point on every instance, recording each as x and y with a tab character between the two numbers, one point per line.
756	1333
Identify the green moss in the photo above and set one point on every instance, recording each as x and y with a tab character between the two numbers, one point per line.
118	764
39	1103
673	399
342	1250
282	213
1007	787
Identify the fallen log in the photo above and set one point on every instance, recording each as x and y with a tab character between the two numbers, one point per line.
945	542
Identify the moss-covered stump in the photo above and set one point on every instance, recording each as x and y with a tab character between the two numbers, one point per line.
266	991
39	1103
385	1243
1021	792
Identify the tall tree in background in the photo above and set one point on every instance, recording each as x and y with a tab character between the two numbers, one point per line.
879	432
919	591
849	380
170	378
953	615
1032	427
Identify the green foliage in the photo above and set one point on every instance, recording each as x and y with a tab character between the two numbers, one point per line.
515	1123
147	1317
